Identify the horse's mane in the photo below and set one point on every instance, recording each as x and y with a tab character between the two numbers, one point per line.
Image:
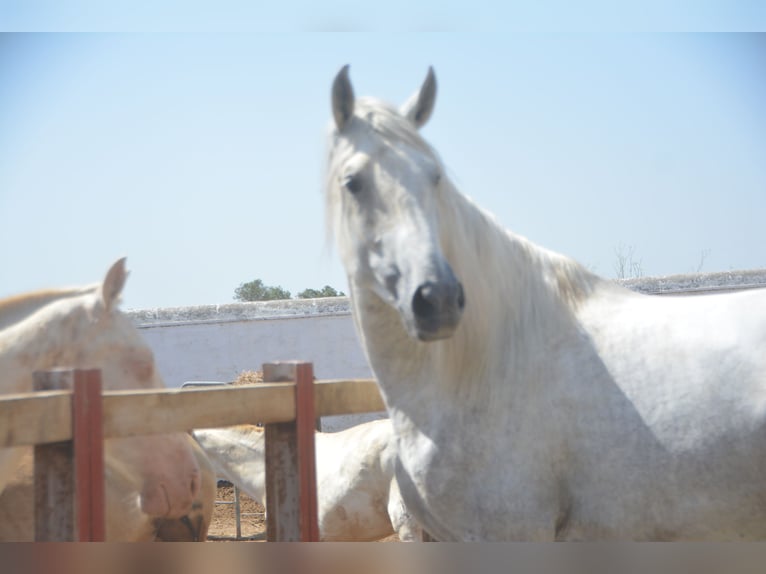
485	243
510	283
18	307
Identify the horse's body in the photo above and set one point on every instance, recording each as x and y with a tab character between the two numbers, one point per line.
358	498
125	522
82	328
530	399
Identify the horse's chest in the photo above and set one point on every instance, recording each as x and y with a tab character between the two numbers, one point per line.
461	490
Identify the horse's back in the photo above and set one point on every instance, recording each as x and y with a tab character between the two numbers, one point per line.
365	446
671	430
685	344
354	474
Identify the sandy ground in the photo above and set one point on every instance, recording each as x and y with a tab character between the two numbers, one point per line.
223	526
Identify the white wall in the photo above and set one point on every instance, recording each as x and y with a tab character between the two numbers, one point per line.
218	342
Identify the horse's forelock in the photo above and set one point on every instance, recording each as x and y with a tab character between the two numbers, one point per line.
389	124
373	118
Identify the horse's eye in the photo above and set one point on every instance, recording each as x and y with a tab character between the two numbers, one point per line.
437	178
353	183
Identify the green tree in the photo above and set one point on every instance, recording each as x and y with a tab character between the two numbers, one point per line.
257	291
325	291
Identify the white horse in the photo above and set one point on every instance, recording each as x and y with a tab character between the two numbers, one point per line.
83	328
358	498
530	399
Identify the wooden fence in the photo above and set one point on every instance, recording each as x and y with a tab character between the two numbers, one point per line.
65	422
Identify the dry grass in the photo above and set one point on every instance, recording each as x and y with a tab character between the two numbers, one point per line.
249	377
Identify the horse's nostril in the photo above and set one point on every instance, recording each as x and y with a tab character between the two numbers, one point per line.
195	486
460	297
422	305
431	299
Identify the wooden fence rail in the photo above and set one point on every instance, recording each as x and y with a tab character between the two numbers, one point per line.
288	409
45	417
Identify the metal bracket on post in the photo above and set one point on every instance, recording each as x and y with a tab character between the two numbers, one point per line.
291	498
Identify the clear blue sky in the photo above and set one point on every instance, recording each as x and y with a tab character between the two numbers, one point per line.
199	155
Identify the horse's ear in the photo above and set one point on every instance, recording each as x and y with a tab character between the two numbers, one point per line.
113	284
420	105
342	98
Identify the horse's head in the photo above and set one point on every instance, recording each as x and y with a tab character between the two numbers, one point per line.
84	329
383	186
106	338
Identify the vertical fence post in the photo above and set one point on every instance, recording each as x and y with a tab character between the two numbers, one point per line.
291	502
88	438
54	473
69	475
306	421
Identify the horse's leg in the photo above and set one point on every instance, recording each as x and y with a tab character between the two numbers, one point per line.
404	524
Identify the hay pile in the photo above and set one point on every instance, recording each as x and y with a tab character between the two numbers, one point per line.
249	377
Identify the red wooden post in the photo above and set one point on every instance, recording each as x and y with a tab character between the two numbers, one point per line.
69	475
291	502
305	421
282	506
88	438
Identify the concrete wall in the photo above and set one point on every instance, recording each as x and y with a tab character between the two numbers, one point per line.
699	283
217	342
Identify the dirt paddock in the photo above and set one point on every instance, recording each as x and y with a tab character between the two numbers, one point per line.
223	526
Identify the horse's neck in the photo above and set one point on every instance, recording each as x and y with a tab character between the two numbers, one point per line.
516	295
31	337
15	309
513	286
29	344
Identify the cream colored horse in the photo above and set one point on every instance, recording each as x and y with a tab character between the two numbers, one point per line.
83	328
530	399
358	498
125	522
